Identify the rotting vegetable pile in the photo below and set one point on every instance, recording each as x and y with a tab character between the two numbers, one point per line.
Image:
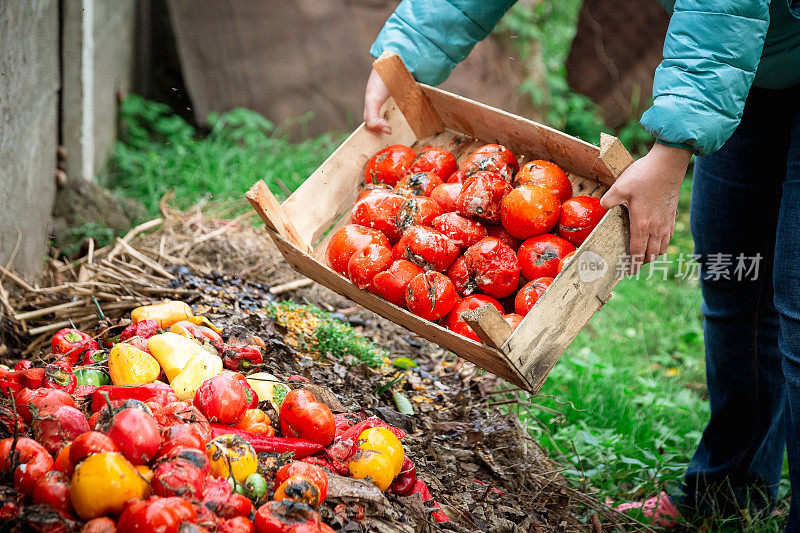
482	470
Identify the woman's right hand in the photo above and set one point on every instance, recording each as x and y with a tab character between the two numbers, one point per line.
376	95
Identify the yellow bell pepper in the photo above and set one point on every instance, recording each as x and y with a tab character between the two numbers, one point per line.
128	365
200	367
173	352
102	483
168	313
235	451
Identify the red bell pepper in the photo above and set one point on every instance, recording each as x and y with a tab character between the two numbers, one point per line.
13	382
144	329
59	375
70	344
241	358
260	443
94	357
160	393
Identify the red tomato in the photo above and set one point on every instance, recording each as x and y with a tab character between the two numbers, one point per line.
417	211
40	399
313	473
500	150
457	324
378	210
347	241
482	196
392	283
221	399
564	261
429	248
89	443
389	165
475	163
530	210
445	195
159	515
548	175
431	295
462	231
579	216
30	462
418	184
530	294
493	266
135	432
497	230
53	489
303	417
513	319
367	262
436	160
374	188
539	256
460	277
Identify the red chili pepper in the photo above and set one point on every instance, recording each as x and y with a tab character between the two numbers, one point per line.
160	393
71	343
260	443
59	375
241	358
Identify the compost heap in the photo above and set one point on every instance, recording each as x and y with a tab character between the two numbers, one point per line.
475	468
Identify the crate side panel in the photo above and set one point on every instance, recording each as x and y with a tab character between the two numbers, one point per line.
481	355
582	287
520	135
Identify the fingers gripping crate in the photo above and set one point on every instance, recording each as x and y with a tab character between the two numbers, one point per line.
421	116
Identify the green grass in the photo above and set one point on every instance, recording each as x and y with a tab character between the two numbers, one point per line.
159	152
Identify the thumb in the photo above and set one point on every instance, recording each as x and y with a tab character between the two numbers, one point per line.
612	197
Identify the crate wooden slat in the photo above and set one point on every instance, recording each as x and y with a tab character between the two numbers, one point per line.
302	225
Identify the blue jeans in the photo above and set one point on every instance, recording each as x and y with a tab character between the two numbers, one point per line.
746	204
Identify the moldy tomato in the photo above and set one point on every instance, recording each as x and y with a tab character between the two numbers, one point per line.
548	175
379	211
313	473
418	184
30	461
530	294
416	211
53	489
389	165
530	210
462	231
479	162
303	417
500	150
579	216
372	188
393	282
455	323
429	248
135	433
347	241
157	515
497	230
445	195
431	295
460	277
367	262
436	160
482	196
493	266
539	256
231	455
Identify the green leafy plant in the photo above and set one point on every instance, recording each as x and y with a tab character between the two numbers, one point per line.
159	152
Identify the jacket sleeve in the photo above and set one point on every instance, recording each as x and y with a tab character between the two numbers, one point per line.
433	36
711	53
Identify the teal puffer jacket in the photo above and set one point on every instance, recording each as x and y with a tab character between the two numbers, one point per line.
713	52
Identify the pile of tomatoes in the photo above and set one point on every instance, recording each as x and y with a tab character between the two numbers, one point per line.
124	452
439	239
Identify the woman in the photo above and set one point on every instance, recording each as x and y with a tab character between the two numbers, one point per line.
728	91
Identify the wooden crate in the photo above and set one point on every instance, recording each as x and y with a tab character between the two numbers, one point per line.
420	116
